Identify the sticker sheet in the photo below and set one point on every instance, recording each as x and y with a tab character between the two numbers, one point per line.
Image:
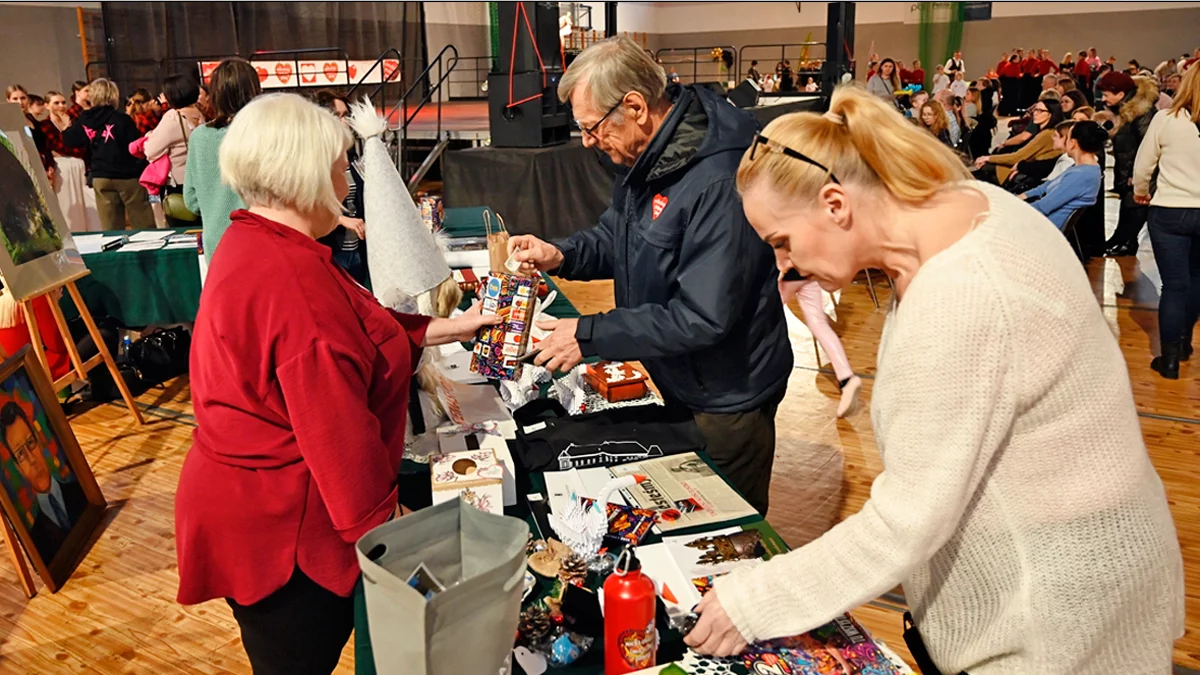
498	348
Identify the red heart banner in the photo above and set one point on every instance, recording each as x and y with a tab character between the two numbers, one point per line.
308	73
352	70
262	74
331	71
283	71
390	69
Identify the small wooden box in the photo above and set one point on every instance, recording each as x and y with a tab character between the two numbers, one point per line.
476	476
616	381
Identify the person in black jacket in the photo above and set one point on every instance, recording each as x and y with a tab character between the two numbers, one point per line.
1132	100
107	132
695	289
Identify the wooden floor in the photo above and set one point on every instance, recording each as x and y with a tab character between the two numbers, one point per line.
118	614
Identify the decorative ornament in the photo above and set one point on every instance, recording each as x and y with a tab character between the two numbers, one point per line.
573	570
547	562
534	626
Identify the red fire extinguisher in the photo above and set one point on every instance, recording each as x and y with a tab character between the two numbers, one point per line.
630	638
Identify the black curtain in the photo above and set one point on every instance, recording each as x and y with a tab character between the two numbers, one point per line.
147	41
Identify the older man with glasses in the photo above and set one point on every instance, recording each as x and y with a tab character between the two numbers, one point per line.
695	289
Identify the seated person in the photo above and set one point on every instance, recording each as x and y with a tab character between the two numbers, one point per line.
1038	171
1062	133
933	120
1046	115
915	102
1079	185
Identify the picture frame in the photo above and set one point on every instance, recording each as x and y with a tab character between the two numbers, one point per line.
37	251
48	493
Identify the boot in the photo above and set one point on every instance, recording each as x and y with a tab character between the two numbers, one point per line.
1120	250
849	401
1167	365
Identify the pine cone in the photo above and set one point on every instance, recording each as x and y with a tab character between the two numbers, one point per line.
573	570
534	626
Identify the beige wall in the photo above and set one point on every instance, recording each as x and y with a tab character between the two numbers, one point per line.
39	46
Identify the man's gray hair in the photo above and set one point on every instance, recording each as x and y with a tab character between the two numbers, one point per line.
611	69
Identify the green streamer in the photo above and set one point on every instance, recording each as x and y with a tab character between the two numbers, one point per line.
494	29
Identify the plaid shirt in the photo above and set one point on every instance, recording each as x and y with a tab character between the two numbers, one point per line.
146	121
54	141
74	111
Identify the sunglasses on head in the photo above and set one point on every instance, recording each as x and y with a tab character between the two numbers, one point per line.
772	146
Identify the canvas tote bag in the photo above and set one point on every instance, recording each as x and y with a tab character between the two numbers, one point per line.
466	629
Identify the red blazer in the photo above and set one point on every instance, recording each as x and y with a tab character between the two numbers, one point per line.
300	384
1082	69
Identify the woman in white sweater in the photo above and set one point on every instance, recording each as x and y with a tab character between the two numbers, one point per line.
1172	145
1017	504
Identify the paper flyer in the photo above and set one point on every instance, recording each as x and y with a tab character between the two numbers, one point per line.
685	491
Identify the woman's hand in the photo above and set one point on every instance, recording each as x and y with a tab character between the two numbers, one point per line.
459	329
355	224
1144	200
981	161
715	634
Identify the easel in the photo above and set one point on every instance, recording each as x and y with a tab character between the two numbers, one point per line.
81	368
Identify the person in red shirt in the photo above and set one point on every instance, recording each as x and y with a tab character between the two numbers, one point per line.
300	384
1030	80
79	99
1046	65
1083	75
917	74
1011	91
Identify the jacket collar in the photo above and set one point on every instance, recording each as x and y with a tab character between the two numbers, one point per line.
286	233
675	142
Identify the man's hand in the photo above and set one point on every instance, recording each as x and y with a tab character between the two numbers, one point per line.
715	634
559	351
1144	200
459	329
354	224
534	254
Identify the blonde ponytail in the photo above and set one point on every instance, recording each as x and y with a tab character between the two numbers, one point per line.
862	141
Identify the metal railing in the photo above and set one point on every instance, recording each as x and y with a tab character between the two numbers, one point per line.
444	63
471	76
806	60
699	61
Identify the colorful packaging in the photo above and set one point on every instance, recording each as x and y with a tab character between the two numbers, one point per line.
498	348
431	211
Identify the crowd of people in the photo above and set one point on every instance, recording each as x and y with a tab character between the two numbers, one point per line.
147	161
1053	112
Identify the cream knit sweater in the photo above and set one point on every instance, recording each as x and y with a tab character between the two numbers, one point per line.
1017	503
1172	144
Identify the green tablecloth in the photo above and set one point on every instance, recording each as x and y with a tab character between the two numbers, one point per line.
140	288
591	663
159	287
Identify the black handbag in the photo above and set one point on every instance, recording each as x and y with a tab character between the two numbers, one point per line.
161	355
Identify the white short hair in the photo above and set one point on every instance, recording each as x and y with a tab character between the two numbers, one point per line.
279	152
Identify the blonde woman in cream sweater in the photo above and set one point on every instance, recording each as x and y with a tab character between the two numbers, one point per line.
1017	504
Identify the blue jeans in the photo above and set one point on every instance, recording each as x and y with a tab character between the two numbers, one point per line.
1175	236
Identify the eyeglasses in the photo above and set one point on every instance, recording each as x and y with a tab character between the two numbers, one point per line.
27	450
772	146
1039	110
592	131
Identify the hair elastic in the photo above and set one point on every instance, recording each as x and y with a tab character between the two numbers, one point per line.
836	118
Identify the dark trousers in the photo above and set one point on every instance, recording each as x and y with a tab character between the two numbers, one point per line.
1175	237
1129	222
300	629
742	445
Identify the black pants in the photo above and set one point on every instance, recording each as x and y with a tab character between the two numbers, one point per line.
300	629
1175	236
1130	221
742	445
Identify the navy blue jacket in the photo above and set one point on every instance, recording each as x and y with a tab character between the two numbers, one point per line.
695	287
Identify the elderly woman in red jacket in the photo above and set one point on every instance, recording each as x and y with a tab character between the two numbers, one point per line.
300	383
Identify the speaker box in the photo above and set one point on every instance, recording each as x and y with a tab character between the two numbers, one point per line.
746	94
536	31
538	122
839	45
